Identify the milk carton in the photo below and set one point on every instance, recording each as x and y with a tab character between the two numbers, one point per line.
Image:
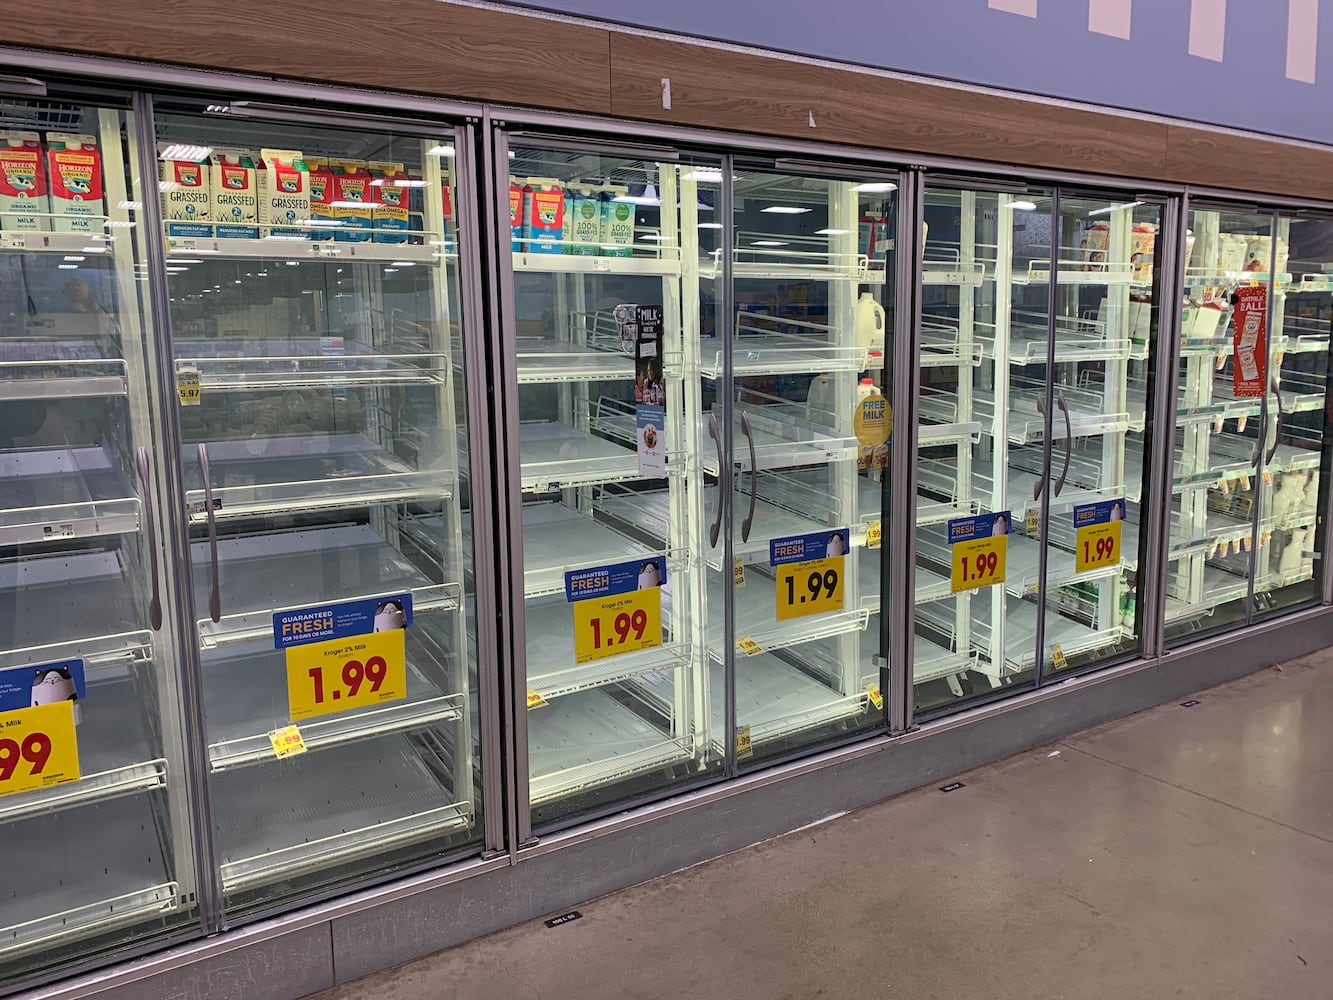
389	217
320	177
75	165
543	216
515	215
284	193
235	197
24	204
447	199
187	197
617	226
583	221
353	201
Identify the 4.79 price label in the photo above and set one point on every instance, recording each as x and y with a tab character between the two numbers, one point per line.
978	549
1098	528
342	674
38	748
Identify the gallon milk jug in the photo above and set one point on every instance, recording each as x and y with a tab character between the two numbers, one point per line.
819	401
870	329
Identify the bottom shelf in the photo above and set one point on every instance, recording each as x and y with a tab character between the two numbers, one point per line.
776	699
589	739
72	875
315	812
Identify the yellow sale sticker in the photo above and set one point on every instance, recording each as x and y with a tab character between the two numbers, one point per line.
744	748
38	747
748	646
978	546
738	573
810	588
876	697
874	535
287	742
1058	657
187	386
341	674
624	623
535	700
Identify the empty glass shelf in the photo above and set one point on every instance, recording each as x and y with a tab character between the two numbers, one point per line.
551	361
233	365
756	616
67	493
556	455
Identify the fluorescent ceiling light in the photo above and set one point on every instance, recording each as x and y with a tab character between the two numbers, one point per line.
655	238
768	243
1114	208
785	210
118	224
193	154
707	175
404	263
185	260
68	267
74	259
397	182
130	206
877	187
350	204
1023	206
391	270
444	149
710	225
100	249
832	232
649	197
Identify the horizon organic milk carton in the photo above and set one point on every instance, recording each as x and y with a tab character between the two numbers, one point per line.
322	222
515	214
353	201
75	163
24	205
284	193
235	198
389	217
187	198
543	216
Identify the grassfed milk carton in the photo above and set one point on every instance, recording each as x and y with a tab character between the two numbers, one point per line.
235	198
75	166
617	226
583	221
187	197
284	193
389	217
24	205
516	214
322	221
543	216
353	201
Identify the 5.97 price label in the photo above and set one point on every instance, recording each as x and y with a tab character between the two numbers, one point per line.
342	674
612	625
38	748
810	588
1098	528
978	548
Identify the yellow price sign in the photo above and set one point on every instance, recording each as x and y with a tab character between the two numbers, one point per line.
342	674
876	696
748	646
978	563
188	386
744	745
535	700
874	535
287	742
38	748
1098	529
625	623
810	588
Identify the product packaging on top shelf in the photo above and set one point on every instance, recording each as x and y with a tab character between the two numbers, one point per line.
1142	251
447	199
543	216
390	214
187	197
75	164
235	198
583	221
516	215
320	178
873	237
284	193
617	225
24	206
353	201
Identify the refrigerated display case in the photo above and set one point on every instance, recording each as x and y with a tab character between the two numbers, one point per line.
318	357
1252	412
1039	320
95	811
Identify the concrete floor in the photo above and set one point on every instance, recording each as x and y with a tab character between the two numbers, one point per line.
1184	852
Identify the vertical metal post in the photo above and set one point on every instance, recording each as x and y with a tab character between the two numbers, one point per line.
1043	553
726	322
1273	320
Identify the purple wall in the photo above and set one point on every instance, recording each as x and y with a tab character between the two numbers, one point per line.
1259	83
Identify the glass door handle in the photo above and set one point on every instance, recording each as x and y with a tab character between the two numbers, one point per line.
1069	442
1281	415
145	481
1040	484
754	477
215	596
716	432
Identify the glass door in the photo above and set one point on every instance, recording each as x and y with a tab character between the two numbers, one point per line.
604	337
982	440
94	810
800	412
313	276
1251	419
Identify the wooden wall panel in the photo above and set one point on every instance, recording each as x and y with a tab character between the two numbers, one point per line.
1215	159
752	93
433	48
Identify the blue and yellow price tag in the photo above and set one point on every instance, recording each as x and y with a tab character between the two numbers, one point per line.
1098	528
38	748
810	588
341	674
978	549
623	623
